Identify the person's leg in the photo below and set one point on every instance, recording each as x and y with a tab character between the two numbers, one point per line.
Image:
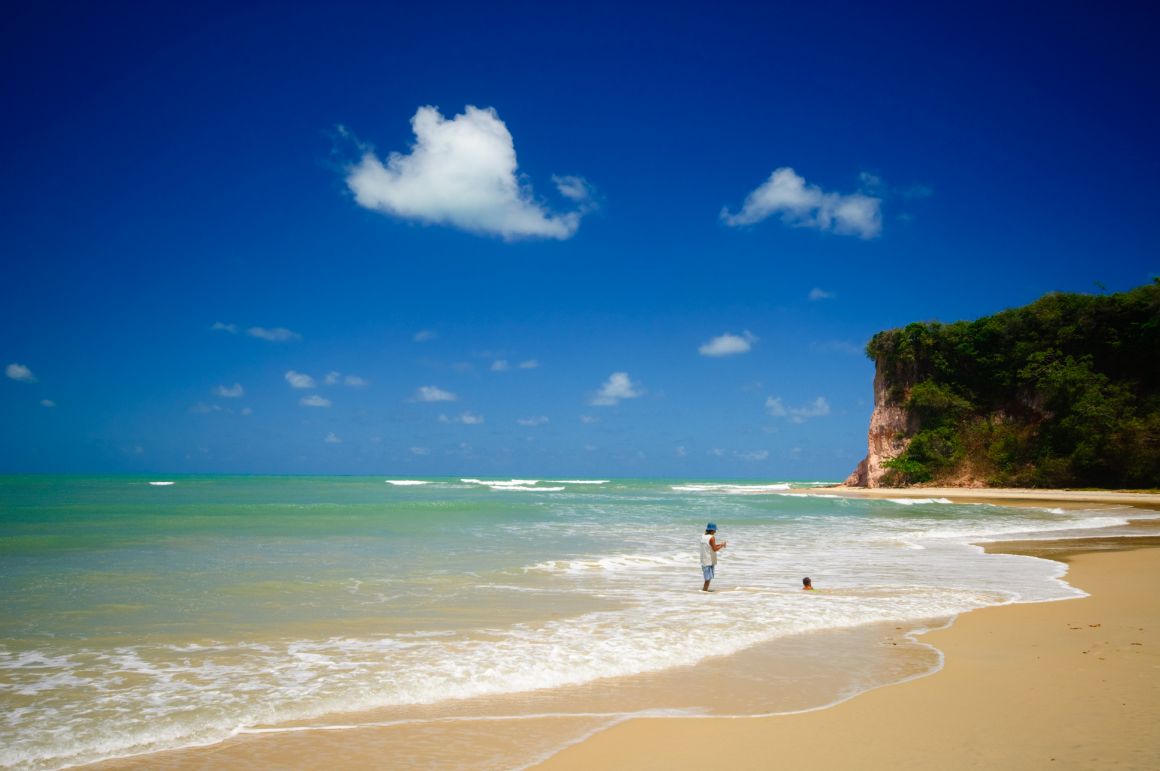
708	571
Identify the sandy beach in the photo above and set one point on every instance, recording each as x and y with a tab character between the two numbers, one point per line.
1070	684
1067	684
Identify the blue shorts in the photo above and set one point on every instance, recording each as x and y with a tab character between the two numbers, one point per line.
708	571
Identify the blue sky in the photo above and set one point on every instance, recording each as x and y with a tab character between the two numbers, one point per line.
508	239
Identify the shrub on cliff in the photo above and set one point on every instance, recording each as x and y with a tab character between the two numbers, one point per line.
1062	392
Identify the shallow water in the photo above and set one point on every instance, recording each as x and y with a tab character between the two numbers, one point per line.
139	617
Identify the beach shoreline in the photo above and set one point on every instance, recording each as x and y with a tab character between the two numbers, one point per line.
1066	684
1006	495
569	742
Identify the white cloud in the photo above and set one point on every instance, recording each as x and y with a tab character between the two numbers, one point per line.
274	335
466	418
618	386
576	189
588	419
434	394
354	381
423	335
20	373
47	403
815	409
247	410
500	365
230	392
529	364
535	420
728	344
716	452
420	450
332	438
803	205
681	451
460	172
299	380
201	408
314	400
821	294
332	378
753	455
220	327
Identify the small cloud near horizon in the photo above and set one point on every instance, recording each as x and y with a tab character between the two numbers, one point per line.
803	205
466	418
230	392
314	400
299	380
227	328
423	335
728	344
817	408
433	394
462	172
821	294
618	387
332	438
47	403
536	420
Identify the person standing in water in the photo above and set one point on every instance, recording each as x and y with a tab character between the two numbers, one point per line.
709	549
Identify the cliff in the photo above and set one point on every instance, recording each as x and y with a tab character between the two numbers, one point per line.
1064	392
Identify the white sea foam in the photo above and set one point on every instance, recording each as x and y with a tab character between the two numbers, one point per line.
730	489
918	501
406	482
578	481
161	484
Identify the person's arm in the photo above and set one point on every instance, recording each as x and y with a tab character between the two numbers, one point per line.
714	545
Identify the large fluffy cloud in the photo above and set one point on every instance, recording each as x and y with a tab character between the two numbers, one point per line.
805	205
462	172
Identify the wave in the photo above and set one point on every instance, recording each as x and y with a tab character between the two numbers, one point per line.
406	482
918	501
578	481
161	484
730	489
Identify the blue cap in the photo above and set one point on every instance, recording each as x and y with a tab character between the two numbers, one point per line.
711	526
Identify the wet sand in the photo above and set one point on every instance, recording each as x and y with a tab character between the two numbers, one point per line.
1004	495
1073	684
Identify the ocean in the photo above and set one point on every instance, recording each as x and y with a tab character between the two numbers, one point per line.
147	614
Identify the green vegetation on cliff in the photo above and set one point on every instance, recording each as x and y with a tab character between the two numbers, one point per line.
1064	392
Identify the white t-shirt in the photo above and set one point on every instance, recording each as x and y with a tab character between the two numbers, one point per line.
708	556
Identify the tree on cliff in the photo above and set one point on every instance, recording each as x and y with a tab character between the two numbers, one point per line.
1062	392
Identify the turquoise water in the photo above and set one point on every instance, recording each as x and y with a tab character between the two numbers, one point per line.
138	616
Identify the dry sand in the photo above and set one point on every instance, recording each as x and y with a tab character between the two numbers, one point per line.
1073	684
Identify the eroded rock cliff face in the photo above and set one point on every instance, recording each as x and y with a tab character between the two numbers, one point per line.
891	427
